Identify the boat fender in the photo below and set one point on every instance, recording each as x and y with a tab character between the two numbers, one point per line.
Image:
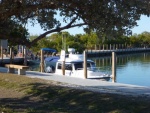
48	69
70	73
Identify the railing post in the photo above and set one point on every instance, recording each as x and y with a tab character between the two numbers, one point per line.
103	47
110	47
25	56
11	60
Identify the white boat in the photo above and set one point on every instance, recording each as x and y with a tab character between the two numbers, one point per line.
50	64
74	67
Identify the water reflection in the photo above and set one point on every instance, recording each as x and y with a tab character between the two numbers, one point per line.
130	69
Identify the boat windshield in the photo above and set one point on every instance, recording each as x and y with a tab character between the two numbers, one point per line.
93	64
67	66
80	65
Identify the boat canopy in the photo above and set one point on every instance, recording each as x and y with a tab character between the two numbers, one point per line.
49	50
52	59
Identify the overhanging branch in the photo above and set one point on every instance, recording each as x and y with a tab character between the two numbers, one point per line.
58	30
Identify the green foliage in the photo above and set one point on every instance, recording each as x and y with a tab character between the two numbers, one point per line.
107	18
43	43
145	38
33	37
88	41
92	39
14	32
20	34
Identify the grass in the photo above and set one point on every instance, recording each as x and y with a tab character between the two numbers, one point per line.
20	94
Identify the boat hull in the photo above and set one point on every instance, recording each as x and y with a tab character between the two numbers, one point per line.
17	60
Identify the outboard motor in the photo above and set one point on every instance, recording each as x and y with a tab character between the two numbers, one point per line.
71	50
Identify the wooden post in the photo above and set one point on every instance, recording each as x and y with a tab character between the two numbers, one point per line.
116	46
42	61
11	55
63	67
110	47
25	57
22	51
95	47
2	53
103	47
8	50
63	57
113	67
85	64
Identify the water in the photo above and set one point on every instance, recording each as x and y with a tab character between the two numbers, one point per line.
131	69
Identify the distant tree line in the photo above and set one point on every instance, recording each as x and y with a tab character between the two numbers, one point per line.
80	42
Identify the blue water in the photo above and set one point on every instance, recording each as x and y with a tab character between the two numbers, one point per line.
130	69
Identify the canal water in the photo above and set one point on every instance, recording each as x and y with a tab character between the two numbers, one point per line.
130	69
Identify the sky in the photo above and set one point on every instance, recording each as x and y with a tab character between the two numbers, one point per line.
143	25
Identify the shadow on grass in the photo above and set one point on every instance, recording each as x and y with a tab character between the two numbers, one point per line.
46	98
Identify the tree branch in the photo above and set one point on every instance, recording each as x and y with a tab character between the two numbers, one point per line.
58	30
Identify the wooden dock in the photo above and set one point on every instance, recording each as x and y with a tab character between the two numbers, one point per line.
101	53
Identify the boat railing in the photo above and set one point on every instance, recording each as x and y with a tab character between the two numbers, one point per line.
106	70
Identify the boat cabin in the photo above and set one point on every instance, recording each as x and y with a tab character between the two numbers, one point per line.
74	67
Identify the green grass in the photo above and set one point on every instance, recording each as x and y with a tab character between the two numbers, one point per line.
40	96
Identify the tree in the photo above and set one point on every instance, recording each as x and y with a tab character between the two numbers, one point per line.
106	17
145	38
10	29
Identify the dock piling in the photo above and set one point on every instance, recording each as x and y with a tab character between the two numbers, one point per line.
42	61
113	67
85	64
